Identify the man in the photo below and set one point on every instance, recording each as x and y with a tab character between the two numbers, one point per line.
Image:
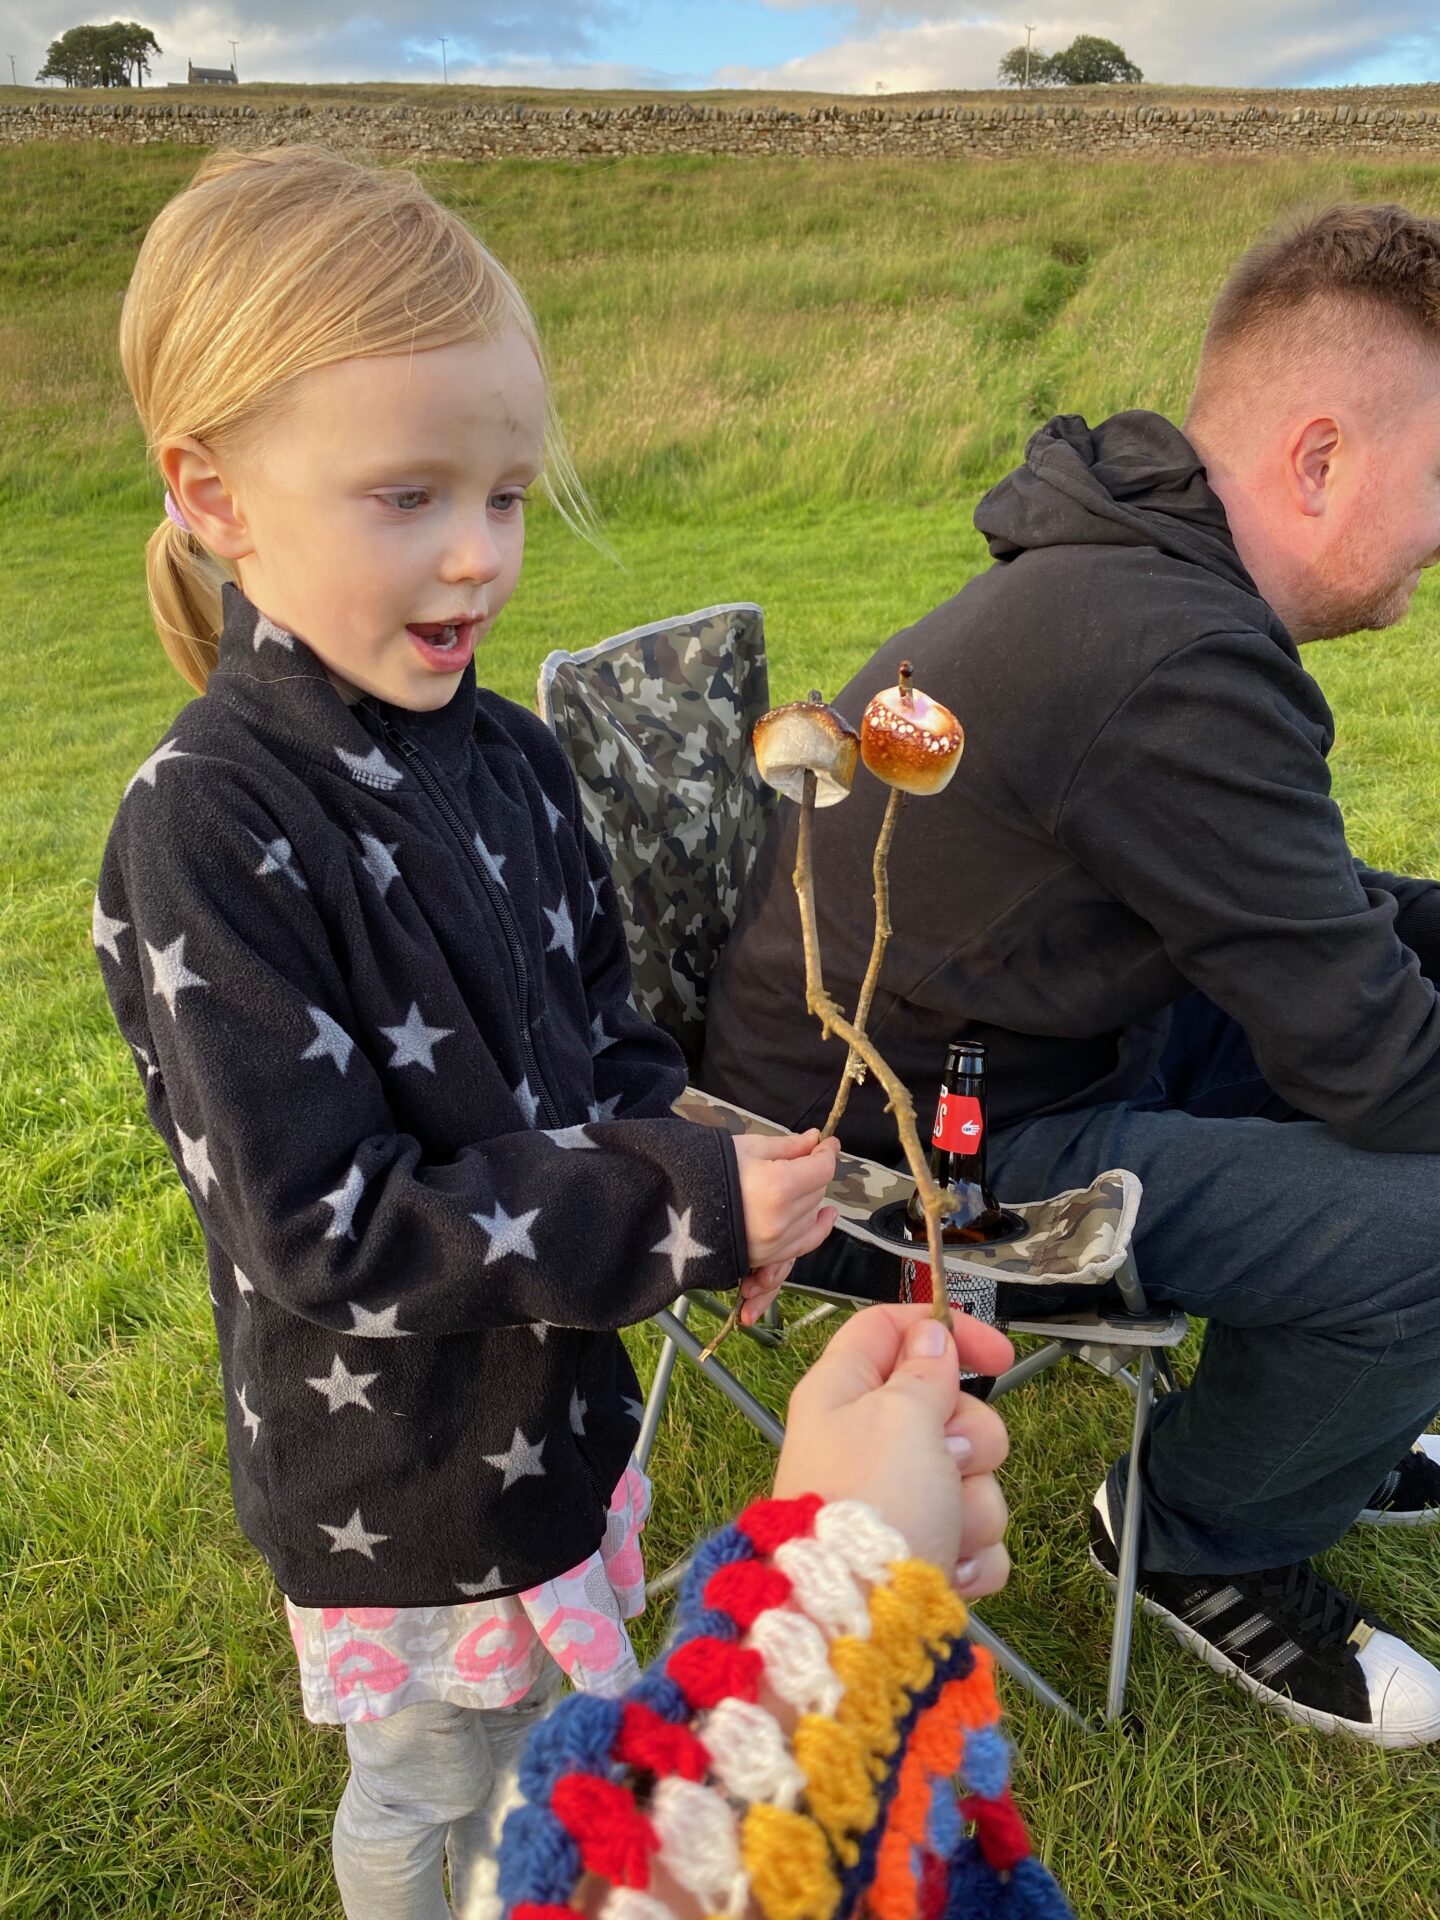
1137	891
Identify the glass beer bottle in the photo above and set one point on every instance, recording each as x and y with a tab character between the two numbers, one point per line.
957	1155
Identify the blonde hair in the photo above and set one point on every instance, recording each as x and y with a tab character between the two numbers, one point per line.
272	263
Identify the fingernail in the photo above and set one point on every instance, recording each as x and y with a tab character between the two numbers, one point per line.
958	1447
929	1340
967	1573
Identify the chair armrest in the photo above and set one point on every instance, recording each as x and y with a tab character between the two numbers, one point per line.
1077	1238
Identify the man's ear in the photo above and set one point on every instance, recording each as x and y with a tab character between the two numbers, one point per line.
205	497
1310	457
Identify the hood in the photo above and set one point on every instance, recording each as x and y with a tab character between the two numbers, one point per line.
1132	481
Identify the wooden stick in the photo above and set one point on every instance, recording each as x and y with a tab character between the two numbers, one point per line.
854	1067
832	1020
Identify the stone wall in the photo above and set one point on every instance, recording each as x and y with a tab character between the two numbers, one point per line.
480	132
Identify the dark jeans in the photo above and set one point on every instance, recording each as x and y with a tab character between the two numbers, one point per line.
1316	1266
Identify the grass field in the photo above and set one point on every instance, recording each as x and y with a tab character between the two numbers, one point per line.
785	382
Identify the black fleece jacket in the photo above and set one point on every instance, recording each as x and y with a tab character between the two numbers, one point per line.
1143	808
374	977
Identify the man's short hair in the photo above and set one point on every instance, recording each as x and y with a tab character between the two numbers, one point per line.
1349	270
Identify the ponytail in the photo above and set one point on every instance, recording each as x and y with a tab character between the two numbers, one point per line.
184	587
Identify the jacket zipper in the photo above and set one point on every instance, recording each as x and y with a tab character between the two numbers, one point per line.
414	758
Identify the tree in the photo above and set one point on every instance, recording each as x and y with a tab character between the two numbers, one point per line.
96	56
1090	61
1041	69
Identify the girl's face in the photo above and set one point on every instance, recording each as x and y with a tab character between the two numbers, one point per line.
382	510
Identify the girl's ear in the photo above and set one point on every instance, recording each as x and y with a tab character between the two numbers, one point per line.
204	495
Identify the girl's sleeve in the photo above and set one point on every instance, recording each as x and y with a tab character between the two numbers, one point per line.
821	1738
231	989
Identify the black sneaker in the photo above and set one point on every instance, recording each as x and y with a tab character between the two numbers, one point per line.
1409	1495
1294	1641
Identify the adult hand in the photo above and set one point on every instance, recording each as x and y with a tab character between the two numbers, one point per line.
880	1417
783	1178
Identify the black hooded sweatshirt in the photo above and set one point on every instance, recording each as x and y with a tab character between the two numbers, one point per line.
1143	808
375	979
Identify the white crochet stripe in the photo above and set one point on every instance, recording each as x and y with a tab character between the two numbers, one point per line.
824	1588
797	1661
700	1844
751	1755
624	1903
857	1533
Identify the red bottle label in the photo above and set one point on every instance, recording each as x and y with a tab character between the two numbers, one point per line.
959	1123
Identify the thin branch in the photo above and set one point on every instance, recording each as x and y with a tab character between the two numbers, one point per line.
854	1067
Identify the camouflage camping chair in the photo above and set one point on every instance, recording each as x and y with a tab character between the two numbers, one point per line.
657	725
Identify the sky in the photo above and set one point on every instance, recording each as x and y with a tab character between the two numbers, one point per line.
860	46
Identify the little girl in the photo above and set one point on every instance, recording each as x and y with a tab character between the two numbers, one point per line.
374	977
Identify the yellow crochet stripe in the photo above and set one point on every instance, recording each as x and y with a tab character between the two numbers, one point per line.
917	1613
788	1860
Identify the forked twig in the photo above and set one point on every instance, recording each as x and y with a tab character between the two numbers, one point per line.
854	1067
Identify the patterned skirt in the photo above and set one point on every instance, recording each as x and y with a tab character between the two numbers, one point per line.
362	1663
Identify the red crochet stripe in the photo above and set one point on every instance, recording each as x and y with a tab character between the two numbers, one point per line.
768	1524
934	1885
745	1589
999	1830
659	1747
533	1910
708	1671
614	1837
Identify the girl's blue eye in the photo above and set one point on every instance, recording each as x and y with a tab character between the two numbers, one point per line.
406	499
508	501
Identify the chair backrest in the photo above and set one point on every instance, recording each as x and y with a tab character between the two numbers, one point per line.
657	725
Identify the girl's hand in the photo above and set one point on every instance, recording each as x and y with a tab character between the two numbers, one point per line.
758	1289
783	1178
880	1418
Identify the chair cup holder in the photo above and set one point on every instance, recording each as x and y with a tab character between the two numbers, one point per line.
888	1222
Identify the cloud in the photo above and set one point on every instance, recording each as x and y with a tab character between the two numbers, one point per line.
953	43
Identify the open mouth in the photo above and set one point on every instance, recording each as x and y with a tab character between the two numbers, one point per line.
440	640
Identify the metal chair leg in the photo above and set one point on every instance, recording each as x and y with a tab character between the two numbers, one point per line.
1022	1671
1129	1568
760	1417
659	1388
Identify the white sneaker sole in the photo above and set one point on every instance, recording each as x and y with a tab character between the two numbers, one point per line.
1377	1736
1429	1444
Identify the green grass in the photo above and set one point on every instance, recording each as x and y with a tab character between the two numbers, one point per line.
784	382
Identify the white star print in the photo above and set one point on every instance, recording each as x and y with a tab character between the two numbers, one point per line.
635	1411
279	858
562	928
573	1137
103	930
526	1101
599	1039
552	812
143	1057
507	1234
375	1326
520	1462
378	861
371	769
541	1330
679	1243
331	1041
266	629
595	886
415	1043
342	1388
578	1410
604	1109
246	1287
344	1201
166	751
196	1157
492	861
352	1537
170	973
248	1415
489	1584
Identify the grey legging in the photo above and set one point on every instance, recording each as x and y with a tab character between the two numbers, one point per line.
430	1783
